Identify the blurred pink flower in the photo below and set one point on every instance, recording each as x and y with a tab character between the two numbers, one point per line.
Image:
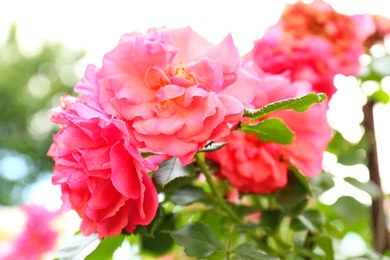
37	238
380	31
313	42
102	175
251	165
176	90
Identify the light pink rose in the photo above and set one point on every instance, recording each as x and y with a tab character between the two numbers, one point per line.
251	165
102	175
176	90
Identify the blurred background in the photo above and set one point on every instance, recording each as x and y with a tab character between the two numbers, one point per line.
45	46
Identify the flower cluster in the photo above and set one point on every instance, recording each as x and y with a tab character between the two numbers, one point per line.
166	92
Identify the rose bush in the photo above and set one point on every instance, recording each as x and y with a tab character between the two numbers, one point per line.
167	106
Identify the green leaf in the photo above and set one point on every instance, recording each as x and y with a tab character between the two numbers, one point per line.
346	152
247	252
151	228
321	183
295	192
313	220
325	243
161	242
78	247
270	130
271	219
380	96
210	147
170	170
370	187
187	194
299	104
197	239
349	209
106	248
297	209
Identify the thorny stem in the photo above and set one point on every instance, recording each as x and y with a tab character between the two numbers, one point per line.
199	157
379	226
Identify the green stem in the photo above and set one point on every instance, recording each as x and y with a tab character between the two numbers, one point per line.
228	252
199	157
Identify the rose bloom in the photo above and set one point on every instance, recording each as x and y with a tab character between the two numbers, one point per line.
254	166
103	177
38	237
313	42
176	90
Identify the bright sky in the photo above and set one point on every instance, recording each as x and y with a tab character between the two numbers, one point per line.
96	26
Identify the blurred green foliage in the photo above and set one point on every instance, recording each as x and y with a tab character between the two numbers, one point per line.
30	85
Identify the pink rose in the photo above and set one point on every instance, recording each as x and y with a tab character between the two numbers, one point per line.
176	90
251	165
102	175
38	237
311	129
306	58
313	42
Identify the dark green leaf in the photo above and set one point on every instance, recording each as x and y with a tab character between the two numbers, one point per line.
271	219
295	192
270	130
197	239
161	242
78	247
299	104
187	194
296	209
170	170
247	252
106	248
297	225
370	187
